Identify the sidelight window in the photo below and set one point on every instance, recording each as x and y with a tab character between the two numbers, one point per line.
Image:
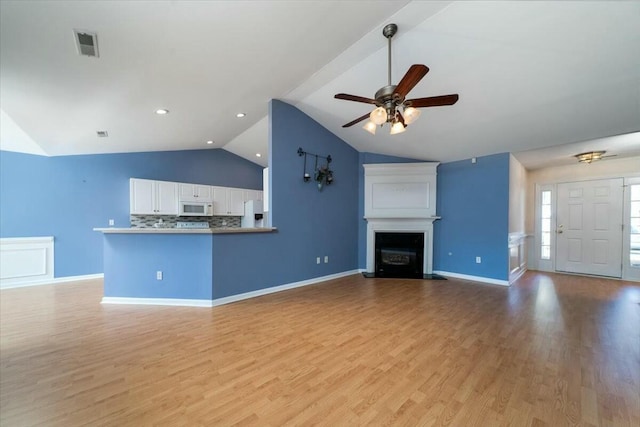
634	216
545	224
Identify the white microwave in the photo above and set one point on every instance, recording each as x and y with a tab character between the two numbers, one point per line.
195	208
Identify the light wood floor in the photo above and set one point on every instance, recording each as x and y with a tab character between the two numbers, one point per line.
551	350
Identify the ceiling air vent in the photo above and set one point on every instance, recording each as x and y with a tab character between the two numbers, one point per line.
87	43
102	134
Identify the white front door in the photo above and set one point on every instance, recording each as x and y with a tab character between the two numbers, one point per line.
589	227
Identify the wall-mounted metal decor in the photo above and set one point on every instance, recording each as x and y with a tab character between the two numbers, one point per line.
321	174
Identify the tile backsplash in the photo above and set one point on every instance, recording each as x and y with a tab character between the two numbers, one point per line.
169	221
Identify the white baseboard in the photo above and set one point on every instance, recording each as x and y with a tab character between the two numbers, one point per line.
517	276
54	281
159	301
224	300
473	278
266	291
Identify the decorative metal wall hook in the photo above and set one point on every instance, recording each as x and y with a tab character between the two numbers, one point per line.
322	175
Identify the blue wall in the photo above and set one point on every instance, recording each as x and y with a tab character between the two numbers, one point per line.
364	159
473	201
184	259
67	196
310	223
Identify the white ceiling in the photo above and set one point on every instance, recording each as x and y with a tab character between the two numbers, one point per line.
530	75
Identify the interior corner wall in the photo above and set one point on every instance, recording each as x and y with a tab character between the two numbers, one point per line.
67	196
365	159
473	201
517	195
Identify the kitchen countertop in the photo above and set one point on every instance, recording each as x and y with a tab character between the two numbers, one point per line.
114	230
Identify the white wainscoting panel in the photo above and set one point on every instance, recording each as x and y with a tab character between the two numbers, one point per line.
400	190
25	260
517	255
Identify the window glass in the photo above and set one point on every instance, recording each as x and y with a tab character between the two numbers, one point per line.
545	223
634	247
546	252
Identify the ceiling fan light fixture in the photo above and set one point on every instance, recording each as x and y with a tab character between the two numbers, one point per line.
590	156
410	115
370	127
397	128
378	116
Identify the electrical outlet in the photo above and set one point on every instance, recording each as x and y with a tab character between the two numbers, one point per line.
478	260
473	160
158	275
326	259
318	260
111	222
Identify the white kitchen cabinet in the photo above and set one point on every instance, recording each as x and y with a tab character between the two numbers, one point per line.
252	195
228	201
195	193
236	201
148	197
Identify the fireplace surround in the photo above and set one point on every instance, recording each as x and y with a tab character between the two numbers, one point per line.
400	198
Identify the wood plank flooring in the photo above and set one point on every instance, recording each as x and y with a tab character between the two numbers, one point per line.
552	350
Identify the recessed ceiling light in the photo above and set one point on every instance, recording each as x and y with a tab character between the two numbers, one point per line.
258	155
240	115
209	142
162	111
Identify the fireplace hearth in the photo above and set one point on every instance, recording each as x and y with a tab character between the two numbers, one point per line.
399	255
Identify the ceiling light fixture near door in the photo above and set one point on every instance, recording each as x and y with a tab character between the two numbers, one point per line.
390	99
241	115
590	156
87	43
210	142
258	155
162	111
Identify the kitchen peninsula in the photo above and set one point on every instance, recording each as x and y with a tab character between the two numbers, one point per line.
171	266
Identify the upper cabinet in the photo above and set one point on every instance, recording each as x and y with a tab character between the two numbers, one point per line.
195	193
252	195
228	201
147	197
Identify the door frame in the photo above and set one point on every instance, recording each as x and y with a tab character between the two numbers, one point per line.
628	272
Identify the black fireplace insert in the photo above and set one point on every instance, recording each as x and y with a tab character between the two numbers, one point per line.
399	255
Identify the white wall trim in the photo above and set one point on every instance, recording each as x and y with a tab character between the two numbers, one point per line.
25	260
473	278
266	291
225	300
158	301
57	280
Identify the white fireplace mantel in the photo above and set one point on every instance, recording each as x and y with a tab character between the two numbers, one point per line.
401	198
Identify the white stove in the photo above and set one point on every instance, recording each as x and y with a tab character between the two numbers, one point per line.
195	224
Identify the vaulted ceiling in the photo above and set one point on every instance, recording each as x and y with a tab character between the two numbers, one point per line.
530	75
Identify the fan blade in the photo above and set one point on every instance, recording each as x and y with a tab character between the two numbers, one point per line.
433	101
415	73
355	98
400	118
358	120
